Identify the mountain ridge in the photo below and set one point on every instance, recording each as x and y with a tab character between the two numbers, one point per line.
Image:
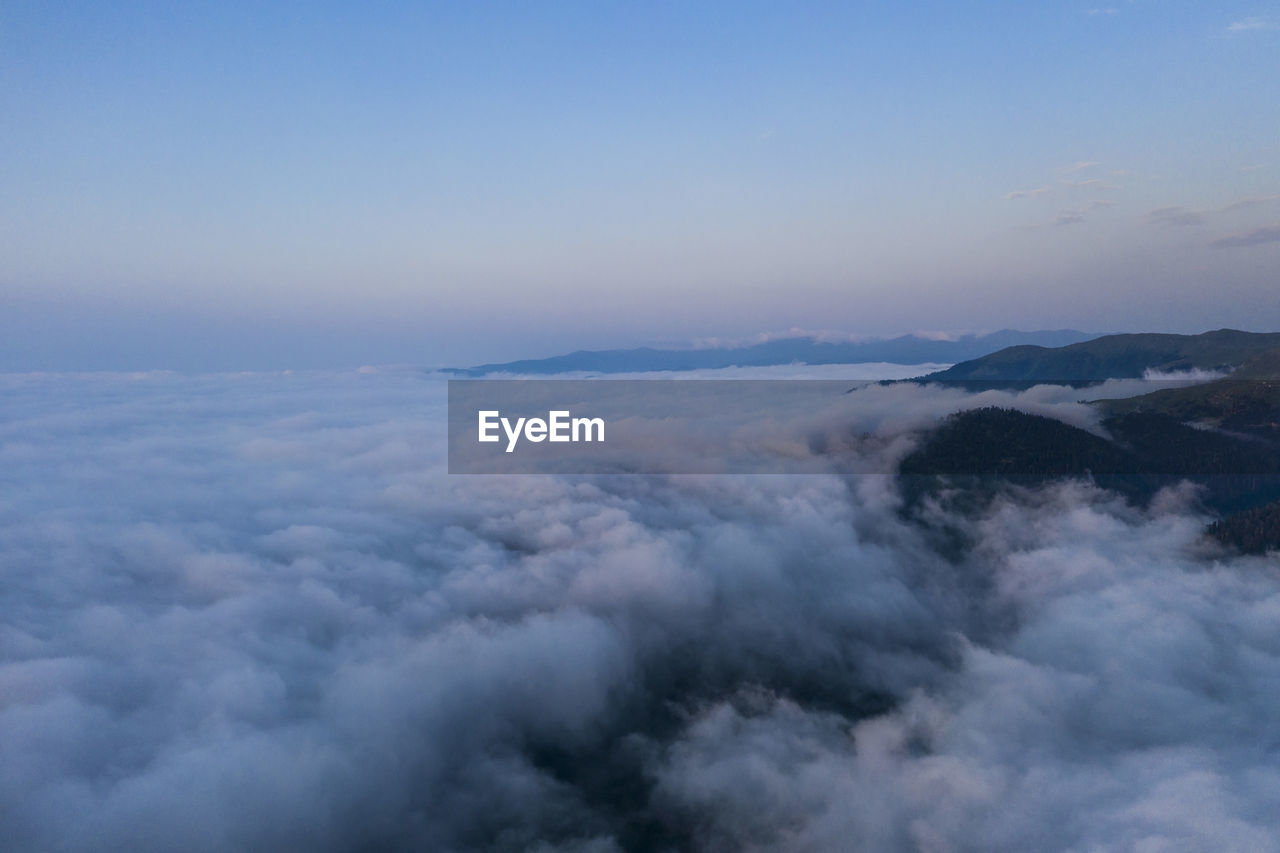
1246	402
802	349
1123	356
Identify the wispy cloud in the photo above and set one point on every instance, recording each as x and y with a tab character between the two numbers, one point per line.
1254	23
1079	166
1065	216
1250	202
1256	237
1110	10
1092	183
1036	193
1175	216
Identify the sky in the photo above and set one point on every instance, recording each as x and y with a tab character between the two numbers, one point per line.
237	185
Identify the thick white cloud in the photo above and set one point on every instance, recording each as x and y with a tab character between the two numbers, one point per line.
253	612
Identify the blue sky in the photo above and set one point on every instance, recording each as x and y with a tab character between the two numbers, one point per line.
226	185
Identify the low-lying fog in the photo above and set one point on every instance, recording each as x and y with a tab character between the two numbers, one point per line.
253	612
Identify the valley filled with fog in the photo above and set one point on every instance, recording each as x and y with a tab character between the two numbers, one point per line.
254	612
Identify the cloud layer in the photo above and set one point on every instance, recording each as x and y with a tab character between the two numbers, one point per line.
253	613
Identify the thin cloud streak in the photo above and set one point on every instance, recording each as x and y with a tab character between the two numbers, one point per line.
1257	237
1175	215
1250	202
1036	193
1093	184
1079	166
1252	24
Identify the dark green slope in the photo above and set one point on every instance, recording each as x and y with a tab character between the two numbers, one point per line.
1112	357
1264	366
982	451
1253	531
1247	401
1007	443
1222	435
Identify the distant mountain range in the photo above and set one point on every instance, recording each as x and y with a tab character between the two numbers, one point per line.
906	349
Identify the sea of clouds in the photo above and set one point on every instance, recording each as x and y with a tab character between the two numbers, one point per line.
254	612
